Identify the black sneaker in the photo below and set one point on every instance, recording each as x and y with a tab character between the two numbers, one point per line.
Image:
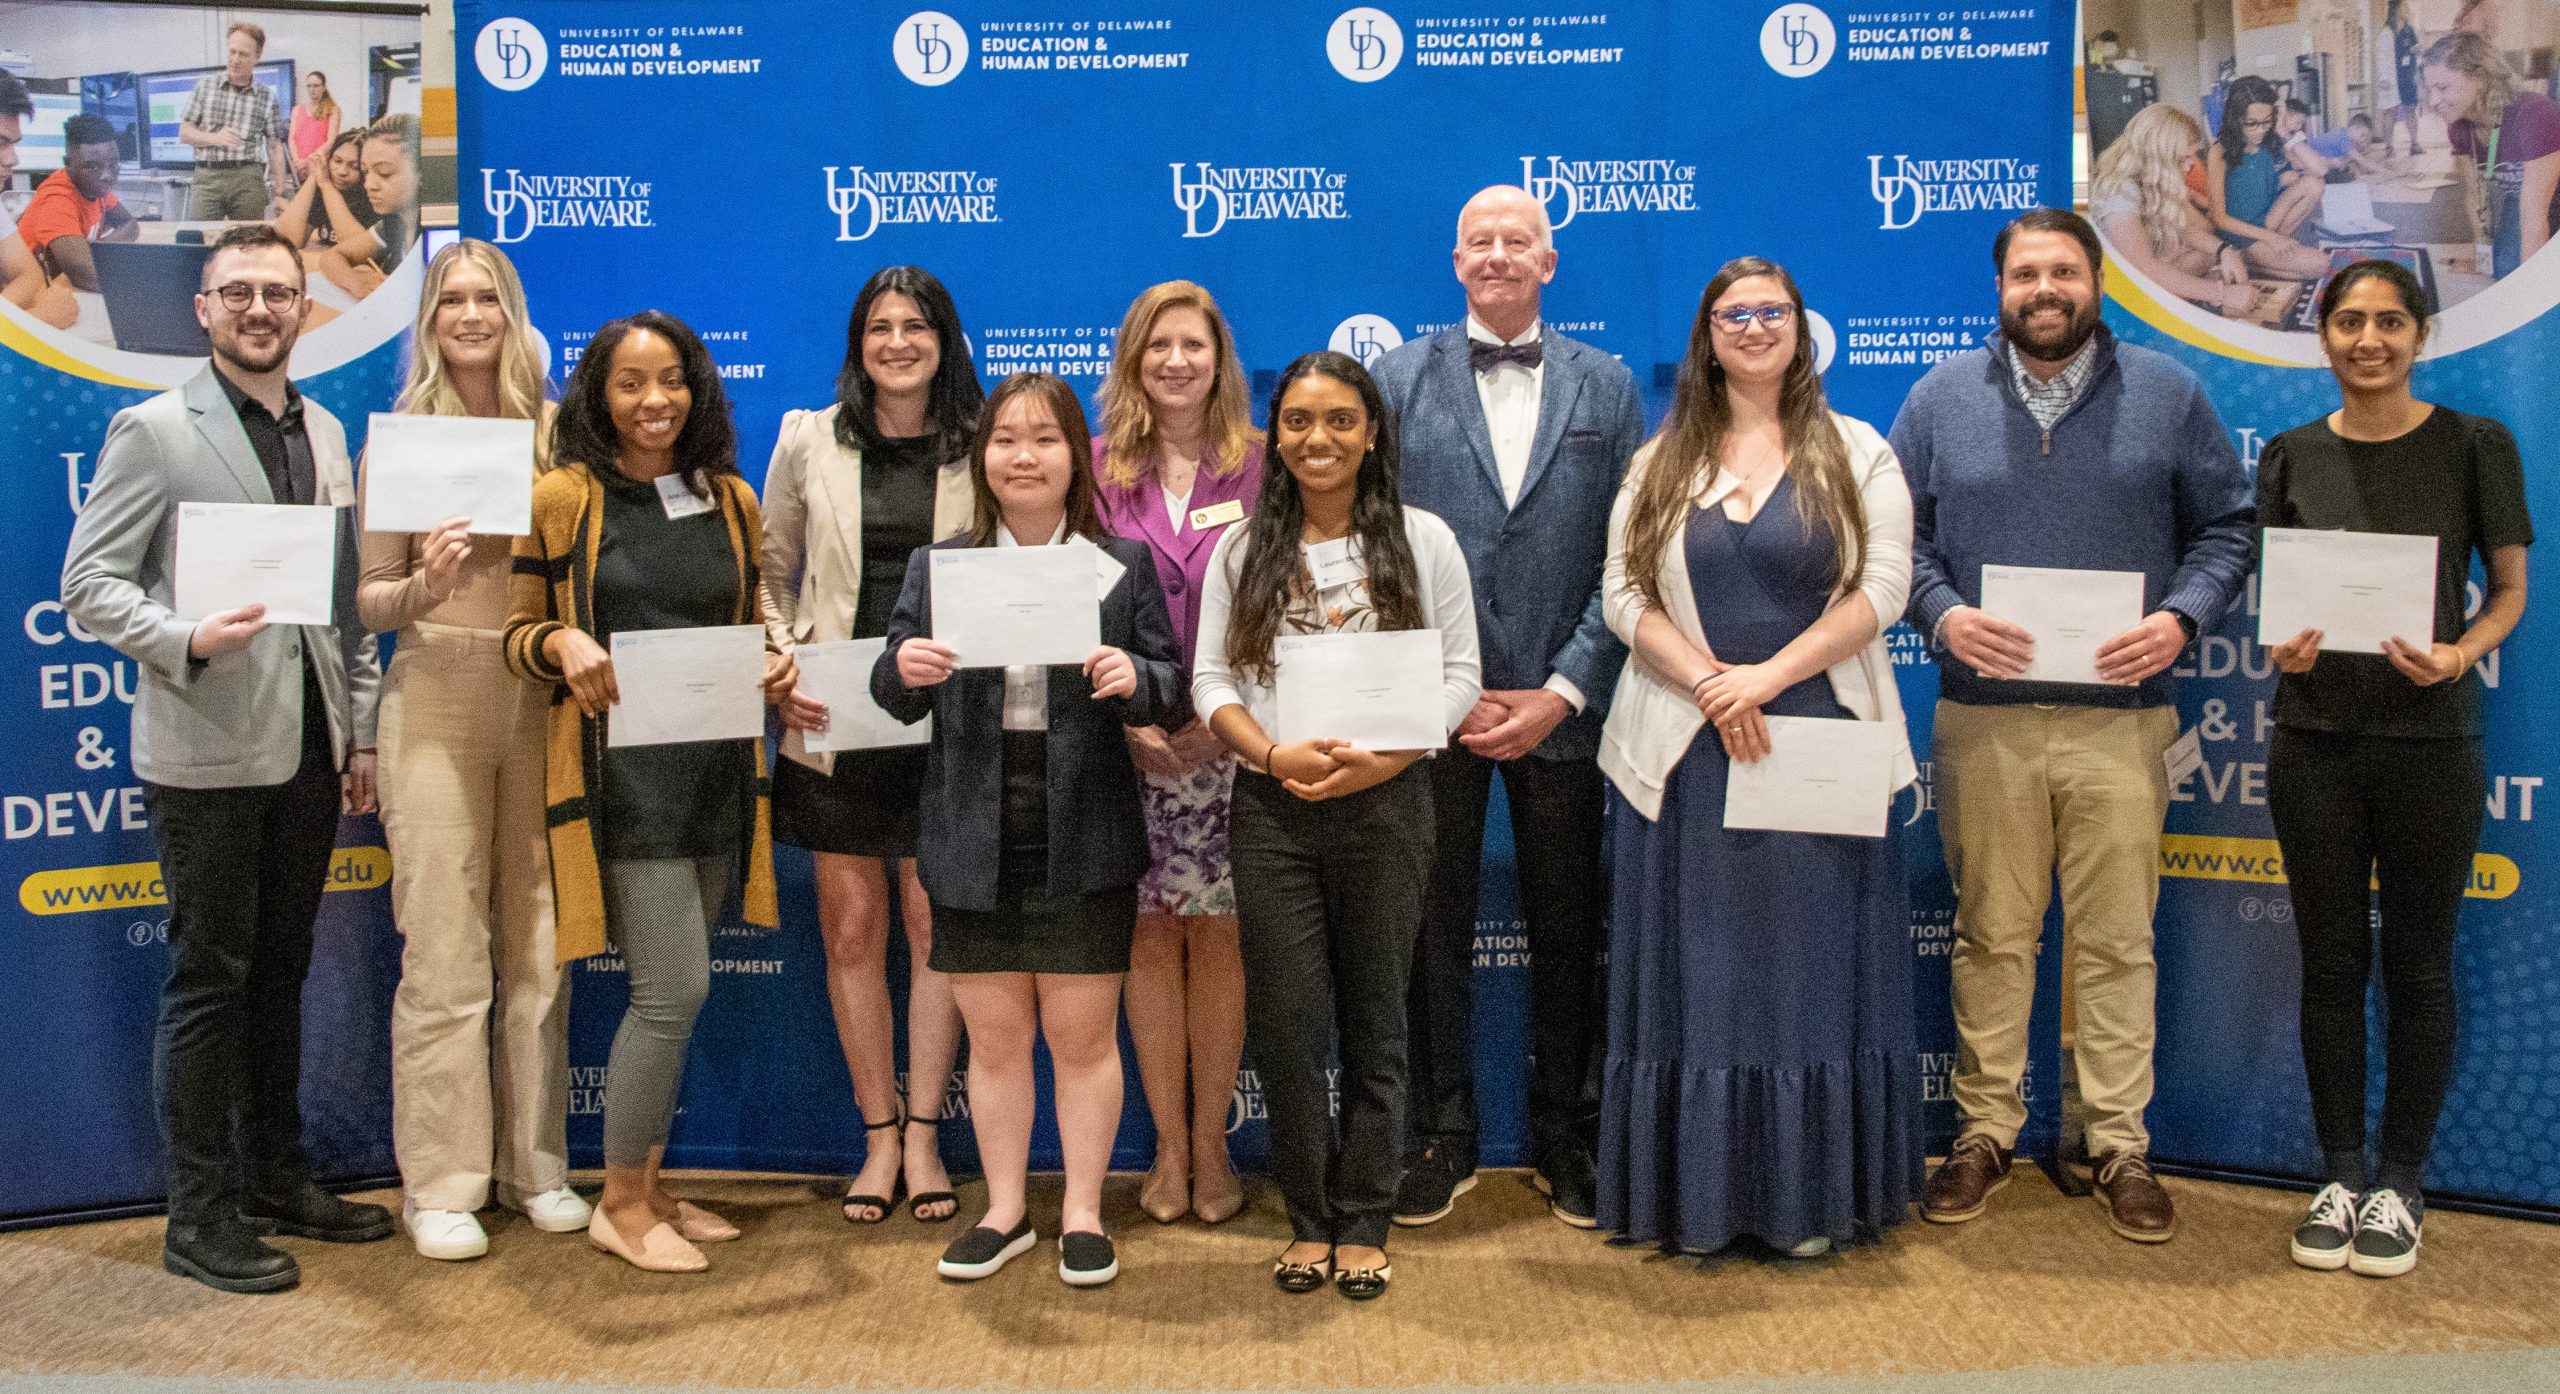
1433	1181
312	1213
228	1256
1571	1191
979	1252
1086	1259
2386	1243
2322	1239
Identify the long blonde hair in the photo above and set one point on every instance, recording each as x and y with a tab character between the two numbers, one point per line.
523	392
1129	419
2465	52
325	109
2147	167
1685	455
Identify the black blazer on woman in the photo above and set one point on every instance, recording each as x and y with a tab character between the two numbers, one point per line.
1097	830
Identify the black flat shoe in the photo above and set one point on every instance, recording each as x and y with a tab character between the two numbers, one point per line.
1301	1277
228	1257
881	1204
1362	1284
1086	1259
916	1203
312	1213
980	1251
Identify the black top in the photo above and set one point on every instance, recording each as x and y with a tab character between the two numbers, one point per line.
283	446
2455	477
898	484
392	234
656	572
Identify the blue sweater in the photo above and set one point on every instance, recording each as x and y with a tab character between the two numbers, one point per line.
2137	476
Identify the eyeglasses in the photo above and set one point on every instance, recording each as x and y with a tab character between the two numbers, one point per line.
1740	317
237	295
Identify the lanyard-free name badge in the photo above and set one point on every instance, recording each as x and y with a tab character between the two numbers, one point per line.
1335	563
678	497
1216	514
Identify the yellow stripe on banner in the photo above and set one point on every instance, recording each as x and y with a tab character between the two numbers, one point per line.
2260	861
15	336
2123	291
130	885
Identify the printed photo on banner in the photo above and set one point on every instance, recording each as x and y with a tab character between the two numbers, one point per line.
148	130
2242	150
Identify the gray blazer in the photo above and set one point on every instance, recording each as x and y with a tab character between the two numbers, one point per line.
235	720
1536	564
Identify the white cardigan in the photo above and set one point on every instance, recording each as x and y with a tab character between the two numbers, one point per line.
1651	722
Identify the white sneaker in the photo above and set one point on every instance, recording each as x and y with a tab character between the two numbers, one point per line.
557	1211
1815	1247
444	1234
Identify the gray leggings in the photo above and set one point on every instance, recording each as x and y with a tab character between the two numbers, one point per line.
659	911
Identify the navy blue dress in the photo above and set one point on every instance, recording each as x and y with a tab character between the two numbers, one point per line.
1761	1076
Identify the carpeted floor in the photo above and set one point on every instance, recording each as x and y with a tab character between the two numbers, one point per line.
2037	1295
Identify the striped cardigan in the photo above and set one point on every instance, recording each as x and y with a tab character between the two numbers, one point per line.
552	587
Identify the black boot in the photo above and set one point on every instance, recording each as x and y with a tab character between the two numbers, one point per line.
228	1255
312	1213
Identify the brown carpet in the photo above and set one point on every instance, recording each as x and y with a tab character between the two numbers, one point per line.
1498	1294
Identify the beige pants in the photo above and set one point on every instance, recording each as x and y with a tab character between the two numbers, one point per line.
2025	792
229	193
462	804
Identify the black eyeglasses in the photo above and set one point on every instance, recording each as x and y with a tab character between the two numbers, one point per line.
237	295
1739	318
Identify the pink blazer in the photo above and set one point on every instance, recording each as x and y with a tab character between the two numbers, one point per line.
1181	555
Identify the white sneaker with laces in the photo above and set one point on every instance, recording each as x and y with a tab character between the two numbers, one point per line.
558	1211
449	1235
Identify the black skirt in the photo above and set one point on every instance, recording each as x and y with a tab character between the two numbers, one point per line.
866	808
1031	931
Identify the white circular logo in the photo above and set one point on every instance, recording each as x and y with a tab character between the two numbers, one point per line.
512	54
1366	338
1365	44
1797	40
931	48
1824	341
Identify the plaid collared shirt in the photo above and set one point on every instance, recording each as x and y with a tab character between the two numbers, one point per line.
249	113
2049	399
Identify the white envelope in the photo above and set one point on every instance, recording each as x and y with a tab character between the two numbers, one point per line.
839	674
280	555
2070	613
2356	588
680	685
997	607
1379	690
1821	775
421	470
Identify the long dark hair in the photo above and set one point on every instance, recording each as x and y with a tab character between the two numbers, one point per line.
2246	91
954	397
1269	568
1084	515
583	431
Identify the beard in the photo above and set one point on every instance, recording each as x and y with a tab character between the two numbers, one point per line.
227	346
2060	345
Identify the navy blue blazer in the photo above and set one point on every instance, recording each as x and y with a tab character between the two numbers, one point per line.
1097	829
1536	565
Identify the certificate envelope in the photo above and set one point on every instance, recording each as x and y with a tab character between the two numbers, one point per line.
1821	775
1379	690
687	685
2356	588
421	470
280	555
997	607
839	674
2072	614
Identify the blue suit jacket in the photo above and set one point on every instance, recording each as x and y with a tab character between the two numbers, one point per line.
1536	564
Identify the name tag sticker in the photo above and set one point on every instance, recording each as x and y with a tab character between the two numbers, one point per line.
2184	756
1215	514
678	498
1334	563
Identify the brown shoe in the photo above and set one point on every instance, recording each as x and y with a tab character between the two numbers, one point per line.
1962	1185
2137	1207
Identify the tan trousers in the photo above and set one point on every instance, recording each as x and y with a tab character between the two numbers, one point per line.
462	805
2025	792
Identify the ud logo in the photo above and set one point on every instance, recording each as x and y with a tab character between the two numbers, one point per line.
842	201
75	463
511	54
1365	44
511	213
1797	40
1897	193
1365	338
931	48
1194	196
1545	187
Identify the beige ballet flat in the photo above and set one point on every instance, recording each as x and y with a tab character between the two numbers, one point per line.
661	1250
1218	1202
701	1226
1164	1197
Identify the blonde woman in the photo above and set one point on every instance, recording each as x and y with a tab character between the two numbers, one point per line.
2139	200
2508	138
1179	463
479	1049
315	121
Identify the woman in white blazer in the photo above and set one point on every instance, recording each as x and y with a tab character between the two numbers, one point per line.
852	491
1761	1080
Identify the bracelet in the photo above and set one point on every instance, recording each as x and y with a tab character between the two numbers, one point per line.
1266	758
1693	687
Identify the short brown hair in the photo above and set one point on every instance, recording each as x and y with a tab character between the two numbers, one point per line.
1084	515
256	35
249	237
2061	220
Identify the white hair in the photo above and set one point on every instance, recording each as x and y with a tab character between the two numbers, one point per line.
1546	228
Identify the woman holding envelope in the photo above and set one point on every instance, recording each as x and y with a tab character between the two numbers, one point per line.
2375	775
643	523
479	1026
1760	1078
851	492
1180	465
1331	843
1032	839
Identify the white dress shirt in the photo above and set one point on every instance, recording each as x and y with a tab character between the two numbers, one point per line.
1026	685
1509	394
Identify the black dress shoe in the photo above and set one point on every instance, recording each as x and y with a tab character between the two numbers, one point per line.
229	1256
1571	1192
312	1213
1433	1181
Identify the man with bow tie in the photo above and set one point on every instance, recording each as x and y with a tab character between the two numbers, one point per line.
1518	437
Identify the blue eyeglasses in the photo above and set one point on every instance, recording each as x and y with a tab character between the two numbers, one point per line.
1739	318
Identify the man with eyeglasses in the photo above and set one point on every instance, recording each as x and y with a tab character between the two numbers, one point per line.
1518	437
2054	446
250	739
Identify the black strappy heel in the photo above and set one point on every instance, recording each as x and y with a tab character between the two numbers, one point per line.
883	1204
917	1202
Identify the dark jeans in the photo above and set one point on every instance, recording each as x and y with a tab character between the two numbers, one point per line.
1328	900
245	868
1555	838
2351	811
